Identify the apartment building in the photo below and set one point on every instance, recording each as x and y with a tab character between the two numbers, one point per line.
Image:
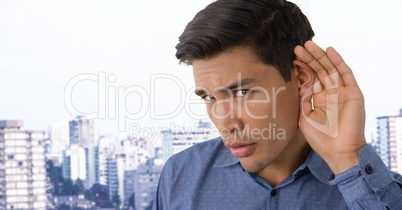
22	167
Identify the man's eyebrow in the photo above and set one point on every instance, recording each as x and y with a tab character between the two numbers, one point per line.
237	84
234	85
200	92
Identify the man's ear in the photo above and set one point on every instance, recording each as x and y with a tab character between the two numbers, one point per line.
305	75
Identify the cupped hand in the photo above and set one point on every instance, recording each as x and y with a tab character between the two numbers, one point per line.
332	114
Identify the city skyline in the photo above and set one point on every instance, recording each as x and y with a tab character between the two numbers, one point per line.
46	44
105	102
122	166
131	167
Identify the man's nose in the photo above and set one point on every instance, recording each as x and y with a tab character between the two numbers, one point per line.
227	117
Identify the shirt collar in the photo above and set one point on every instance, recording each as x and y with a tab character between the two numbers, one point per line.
314	162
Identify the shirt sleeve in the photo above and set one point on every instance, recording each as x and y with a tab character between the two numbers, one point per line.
370	185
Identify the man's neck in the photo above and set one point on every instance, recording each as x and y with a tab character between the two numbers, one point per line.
287	162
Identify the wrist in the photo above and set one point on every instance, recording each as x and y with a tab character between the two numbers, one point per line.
341	163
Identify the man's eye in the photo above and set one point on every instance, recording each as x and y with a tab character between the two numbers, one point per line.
242	93
207	98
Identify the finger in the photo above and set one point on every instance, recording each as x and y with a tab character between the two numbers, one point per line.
303	55
345	72
319	54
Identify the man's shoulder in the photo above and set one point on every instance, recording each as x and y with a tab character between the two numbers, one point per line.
204	150
211	153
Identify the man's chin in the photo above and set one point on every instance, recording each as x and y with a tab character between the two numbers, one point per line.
252	168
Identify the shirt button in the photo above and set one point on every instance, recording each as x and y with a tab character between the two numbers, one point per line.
369	169
273	193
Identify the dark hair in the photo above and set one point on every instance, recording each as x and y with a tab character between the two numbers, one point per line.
272	28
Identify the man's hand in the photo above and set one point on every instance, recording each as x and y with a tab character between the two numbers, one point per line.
332	112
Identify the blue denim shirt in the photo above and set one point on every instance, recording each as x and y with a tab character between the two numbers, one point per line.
207	176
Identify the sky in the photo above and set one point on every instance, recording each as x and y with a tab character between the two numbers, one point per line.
114	60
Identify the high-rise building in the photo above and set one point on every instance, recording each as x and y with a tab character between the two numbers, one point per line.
389	130
22	167
104	151
114	157
59	135
145	183
120	177
167	144
106	163
83	134
74	163
129	182
177	140
136	152
370	139
112	181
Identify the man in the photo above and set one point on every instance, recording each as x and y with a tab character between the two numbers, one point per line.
291	118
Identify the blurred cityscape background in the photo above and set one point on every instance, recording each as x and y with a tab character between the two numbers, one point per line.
69	166
71	143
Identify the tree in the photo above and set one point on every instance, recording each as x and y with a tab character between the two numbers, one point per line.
64	207
131	201
116	200
54	174
98	190
78	187
100	195
67	187
88	195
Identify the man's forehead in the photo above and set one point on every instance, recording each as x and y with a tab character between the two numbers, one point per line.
234	56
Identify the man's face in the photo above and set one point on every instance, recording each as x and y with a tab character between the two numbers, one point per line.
255	110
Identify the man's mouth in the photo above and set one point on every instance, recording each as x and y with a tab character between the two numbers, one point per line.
241	149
